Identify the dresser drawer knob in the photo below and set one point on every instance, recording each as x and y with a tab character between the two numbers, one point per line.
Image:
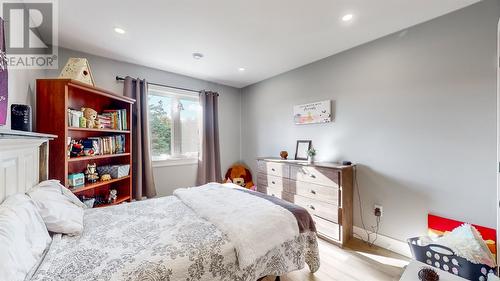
313	192
312	207
272	169
273	182
312	176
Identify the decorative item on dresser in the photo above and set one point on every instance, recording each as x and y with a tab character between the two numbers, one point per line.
324	189
302	148
77	147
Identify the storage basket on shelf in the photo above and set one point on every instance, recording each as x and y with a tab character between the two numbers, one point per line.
116	171
445	259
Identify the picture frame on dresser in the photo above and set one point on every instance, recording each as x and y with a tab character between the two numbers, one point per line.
302	148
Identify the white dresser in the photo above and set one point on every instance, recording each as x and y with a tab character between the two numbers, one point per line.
324	189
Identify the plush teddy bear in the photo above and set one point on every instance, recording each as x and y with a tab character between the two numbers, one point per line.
240	175
90	116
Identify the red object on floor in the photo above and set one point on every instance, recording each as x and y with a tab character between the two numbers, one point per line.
439	225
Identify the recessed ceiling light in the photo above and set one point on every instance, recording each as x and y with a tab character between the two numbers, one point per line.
347	17
241	69
119	30
197	56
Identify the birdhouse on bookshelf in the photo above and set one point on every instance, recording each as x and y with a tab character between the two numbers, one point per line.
78	69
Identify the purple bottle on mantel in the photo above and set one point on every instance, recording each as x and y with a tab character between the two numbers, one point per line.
4	87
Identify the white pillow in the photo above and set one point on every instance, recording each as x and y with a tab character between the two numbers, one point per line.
56	185
60	209
468	243
23	237
493	277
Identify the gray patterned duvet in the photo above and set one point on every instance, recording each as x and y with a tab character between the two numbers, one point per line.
161	239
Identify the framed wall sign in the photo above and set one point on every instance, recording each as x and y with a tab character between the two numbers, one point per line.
301	149
315	112
3	77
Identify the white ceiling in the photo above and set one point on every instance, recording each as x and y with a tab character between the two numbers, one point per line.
266	37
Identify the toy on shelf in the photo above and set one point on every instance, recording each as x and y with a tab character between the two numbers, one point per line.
75	149
90	116
77	179
113	195
91	173
106	177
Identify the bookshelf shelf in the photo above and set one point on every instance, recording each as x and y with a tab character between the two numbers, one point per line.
118	201
91	186
86	158
57	97
98	130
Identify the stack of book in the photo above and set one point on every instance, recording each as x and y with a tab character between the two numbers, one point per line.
105	121
105	145
114	119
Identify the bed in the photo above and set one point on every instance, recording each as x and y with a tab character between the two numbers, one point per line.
175	238
161	239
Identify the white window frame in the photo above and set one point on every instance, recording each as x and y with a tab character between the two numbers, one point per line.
175	159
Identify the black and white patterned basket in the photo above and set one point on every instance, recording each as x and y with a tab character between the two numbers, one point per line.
116	171
445	259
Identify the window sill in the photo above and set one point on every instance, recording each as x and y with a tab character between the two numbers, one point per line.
175	162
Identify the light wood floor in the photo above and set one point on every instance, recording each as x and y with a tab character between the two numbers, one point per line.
357	261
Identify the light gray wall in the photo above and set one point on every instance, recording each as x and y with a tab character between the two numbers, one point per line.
22	89
168	178
416	110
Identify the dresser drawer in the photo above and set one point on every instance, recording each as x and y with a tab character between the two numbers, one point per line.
274	169
261	188
314	191
272	181
276	192
318	208
316	175
326	228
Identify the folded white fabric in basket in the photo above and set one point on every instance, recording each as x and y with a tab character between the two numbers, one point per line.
466	242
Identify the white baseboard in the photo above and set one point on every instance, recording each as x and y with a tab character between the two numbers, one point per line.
385	242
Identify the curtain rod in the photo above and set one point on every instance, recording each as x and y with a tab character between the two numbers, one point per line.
118	78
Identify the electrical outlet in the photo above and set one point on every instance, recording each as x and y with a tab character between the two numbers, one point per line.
378	210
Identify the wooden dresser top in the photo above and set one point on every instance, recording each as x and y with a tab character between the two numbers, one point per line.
332	165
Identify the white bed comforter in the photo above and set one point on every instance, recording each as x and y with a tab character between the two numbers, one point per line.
246	219
162	239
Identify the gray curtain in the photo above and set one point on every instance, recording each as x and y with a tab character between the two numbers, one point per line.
209	162
142	170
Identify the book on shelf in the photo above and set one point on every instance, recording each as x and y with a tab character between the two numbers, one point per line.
103	145
105	121
117	117
74	117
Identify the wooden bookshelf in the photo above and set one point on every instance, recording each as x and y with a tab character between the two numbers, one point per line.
54	98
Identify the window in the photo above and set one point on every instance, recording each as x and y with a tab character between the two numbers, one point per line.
174	124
